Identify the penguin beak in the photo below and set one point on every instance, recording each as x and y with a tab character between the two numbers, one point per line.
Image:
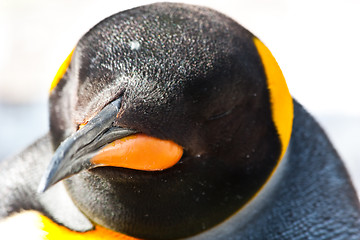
100	143
74	153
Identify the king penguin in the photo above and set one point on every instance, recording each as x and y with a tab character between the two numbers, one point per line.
172	121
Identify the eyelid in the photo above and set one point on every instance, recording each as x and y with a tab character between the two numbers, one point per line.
83	123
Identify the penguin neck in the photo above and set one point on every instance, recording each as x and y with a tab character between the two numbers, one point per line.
242	219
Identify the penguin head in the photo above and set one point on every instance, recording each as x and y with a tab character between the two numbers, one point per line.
164	122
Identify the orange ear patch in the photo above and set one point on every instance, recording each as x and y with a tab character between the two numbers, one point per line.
280	98
62	70
140	152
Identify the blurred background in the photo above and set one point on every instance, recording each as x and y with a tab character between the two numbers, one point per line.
316	43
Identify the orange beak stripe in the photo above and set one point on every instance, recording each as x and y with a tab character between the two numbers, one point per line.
140	152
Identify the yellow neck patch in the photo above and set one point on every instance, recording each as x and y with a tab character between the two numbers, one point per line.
281	101
62	70
32	225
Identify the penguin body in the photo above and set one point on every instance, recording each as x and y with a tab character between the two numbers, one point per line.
208	92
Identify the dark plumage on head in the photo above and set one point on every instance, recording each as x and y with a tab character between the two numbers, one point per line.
183	73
